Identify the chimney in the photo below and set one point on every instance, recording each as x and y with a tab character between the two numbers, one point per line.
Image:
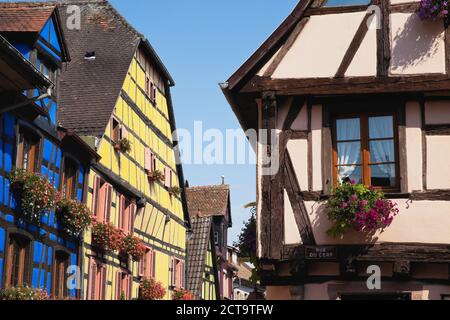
223	180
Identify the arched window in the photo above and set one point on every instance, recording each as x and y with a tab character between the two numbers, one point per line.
18	262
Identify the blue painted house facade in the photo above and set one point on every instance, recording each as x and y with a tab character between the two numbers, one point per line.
37	254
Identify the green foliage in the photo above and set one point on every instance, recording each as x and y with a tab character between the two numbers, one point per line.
23	293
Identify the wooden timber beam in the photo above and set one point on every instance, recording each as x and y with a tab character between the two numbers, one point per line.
354	45
298	206
286	47
298	103
356	85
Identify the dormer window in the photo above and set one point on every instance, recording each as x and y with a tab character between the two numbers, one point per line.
90	55
345	3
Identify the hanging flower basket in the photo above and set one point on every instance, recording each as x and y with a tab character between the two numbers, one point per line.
106	237
357	207
150	289
133	247
155	176
174	191
74	216
123	145
180	294
36	195
433	9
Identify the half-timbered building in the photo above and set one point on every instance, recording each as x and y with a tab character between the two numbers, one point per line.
36	251
116	95
354	90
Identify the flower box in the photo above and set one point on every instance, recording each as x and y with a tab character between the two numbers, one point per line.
74	216
360	208
180	294
133	247
433	9
35	195
107	237
123	145
155	176
150	289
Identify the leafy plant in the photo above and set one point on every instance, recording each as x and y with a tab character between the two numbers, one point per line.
133	247
156	176
123	145
174	191
23	293
107	237
74	216
358	207
180	294
37	195
432	9
150	289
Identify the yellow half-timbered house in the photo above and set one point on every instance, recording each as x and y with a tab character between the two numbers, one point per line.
116	95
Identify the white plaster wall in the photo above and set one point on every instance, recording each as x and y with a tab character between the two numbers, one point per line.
437	112
418	222
414	155
417	46
438	162
301	122
316	140
310	57
364	62
298	151
291	232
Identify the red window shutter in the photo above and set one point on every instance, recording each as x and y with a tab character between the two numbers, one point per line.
130	286
95	195
133	212
153	264
121	211
103	287
143	264
123	132
167	177
182	273
148	160
92	278
108	202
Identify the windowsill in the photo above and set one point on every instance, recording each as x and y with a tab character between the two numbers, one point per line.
397	195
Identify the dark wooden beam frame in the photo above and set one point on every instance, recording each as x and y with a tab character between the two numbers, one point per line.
286	47
354	45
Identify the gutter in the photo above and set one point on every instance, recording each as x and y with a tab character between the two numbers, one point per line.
24	103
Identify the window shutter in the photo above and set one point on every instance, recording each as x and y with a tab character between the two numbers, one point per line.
92	279
118	284
183	274
133	210
148	166
153	264
95	195
143	264
103	287
123	132
108	203
121	211
130	286
167	177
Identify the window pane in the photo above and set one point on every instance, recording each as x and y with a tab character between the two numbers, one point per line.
349	153
352	173
381	127
382	151
342	3
383	175
348	129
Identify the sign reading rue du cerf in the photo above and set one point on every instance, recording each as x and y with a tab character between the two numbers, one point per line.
321	253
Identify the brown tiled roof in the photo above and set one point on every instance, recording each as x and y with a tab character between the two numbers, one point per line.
24	16
208	200
90	88
197	249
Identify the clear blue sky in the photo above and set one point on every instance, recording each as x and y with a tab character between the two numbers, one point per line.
202	42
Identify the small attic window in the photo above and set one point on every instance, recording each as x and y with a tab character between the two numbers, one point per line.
345	3
90	55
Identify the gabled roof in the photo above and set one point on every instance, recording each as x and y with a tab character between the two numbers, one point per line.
209	201
90	88
197	250
31	17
